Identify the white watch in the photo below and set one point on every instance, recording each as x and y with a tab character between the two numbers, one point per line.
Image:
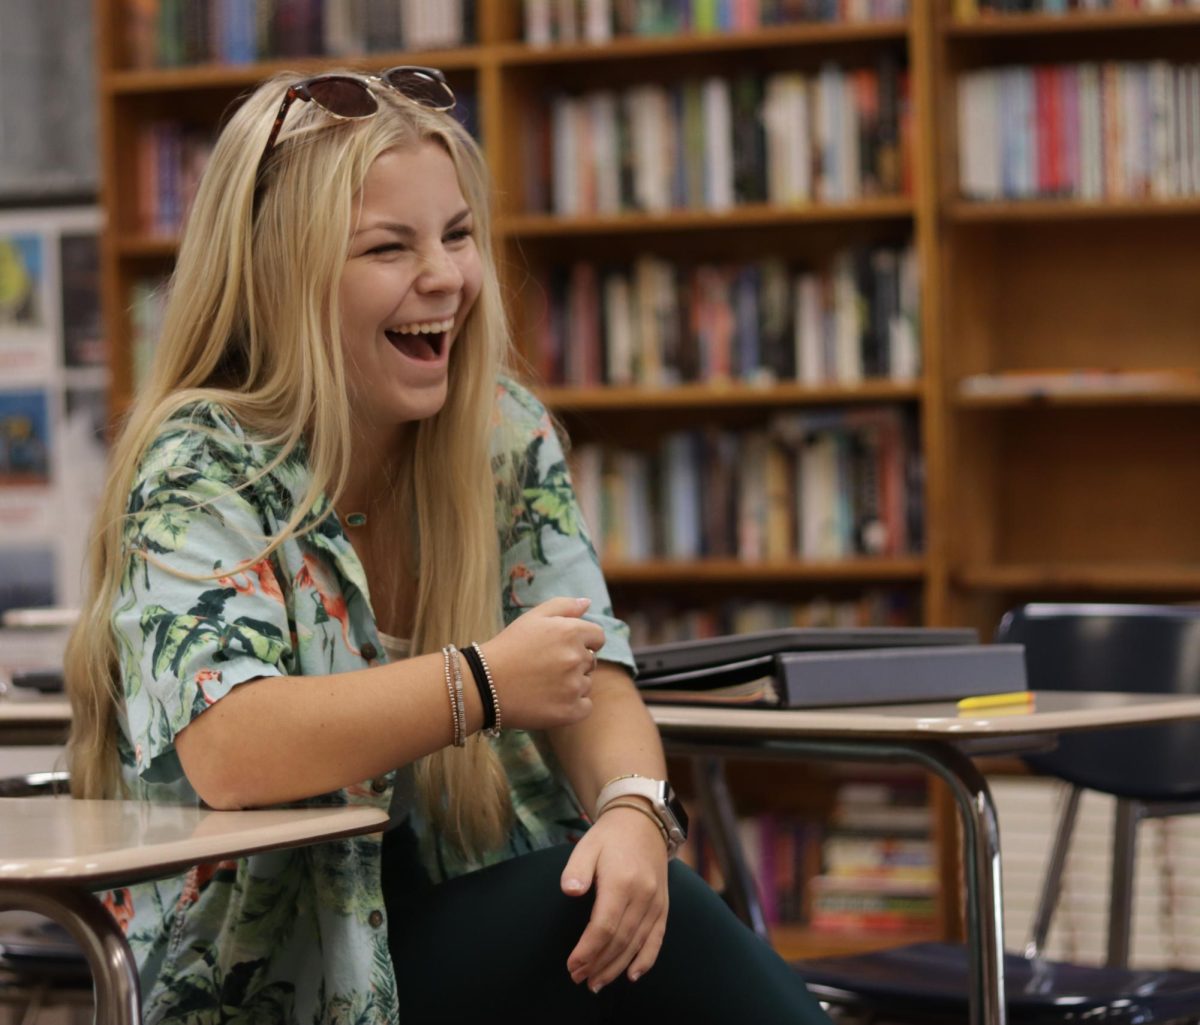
663	802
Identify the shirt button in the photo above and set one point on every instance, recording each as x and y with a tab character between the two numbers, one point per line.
370	652
378	785
375	918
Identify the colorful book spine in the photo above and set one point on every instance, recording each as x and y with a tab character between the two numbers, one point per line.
1118	131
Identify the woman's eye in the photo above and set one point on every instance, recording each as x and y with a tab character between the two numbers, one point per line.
459	235
387	247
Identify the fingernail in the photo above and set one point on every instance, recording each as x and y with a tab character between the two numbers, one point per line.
584	602
595	987
635	976
574	885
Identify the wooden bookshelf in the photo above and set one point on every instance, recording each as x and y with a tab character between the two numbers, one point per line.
1066	496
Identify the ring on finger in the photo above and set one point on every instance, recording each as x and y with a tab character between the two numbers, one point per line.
592	668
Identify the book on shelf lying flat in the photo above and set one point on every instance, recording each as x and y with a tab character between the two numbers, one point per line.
829	679
1078	381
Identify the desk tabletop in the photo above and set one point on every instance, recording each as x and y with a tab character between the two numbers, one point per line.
52	709
1050	712
57	839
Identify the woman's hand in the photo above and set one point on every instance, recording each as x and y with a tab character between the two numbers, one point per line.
625	856
541	665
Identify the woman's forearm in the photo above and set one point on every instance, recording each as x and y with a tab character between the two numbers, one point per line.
285	738
618	738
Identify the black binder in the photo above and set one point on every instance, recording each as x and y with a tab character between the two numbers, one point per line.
829	668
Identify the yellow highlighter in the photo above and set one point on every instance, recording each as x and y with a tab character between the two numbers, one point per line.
984	701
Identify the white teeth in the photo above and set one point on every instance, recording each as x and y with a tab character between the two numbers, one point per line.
428	327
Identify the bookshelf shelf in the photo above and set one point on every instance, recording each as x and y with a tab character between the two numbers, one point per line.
964	212
147	246
1090	578
1075	23
200	77
633	47
1083	399
735	571
796	941
884	208
706	396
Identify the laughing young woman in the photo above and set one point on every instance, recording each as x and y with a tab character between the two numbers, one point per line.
327	492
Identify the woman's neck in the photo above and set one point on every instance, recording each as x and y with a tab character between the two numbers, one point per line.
374	474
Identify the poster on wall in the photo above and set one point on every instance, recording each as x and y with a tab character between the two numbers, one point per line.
27	332
24	438
53	401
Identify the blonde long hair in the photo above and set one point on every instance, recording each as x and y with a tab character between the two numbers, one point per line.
252	323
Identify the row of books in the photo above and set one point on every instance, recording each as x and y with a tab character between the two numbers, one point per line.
658	622
780	849
657	323
171	157
878	867
826	485
711	144
809	869
174	33
971	8
1116	130
599	21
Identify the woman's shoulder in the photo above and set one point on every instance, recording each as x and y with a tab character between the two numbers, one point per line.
207	438
525	432
516	405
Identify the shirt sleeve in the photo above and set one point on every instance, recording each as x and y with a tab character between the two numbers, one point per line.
548	552
190	624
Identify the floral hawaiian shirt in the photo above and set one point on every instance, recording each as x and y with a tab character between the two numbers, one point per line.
298	935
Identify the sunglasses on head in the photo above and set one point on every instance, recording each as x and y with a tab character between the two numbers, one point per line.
350	97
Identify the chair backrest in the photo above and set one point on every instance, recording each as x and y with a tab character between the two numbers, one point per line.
1148	649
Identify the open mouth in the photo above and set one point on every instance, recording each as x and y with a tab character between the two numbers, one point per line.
424	342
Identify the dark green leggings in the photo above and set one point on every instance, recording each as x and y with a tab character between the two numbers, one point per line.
493	945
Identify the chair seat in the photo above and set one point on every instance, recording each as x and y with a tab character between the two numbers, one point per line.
929	981
43	952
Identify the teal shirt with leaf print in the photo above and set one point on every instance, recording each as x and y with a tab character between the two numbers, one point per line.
299	935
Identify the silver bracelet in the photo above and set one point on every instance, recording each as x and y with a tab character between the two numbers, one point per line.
460	709
493	731
450	690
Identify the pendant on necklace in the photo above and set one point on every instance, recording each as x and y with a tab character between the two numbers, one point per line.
356	519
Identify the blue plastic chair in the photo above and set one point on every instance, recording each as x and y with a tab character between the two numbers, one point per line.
1153	771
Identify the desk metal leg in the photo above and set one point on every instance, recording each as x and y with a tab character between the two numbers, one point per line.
717	807
114	972
981	837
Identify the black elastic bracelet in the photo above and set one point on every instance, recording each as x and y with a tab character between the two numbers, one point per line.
485	692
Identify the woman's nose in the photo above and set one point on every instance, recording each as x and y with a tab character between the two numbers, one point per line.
439	273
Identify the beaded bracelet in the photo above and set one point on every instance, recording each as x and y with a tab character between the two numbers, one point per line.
449	656
487	689
460	710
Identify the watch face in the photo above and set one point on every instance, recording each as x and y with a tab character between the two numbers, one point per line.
675	807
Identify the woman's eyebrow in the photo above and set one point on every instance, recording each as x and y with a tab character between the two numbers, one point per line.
407	230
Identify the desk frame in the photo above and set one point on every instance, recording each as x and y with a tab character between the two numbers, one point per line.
947	761
114	972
